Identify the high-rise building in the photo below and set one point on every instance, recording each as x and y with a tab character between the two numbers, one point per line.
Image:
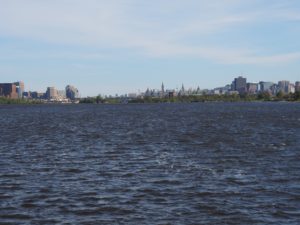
20	88
239	84
297	86
8	90
72	92
162	91
284	86
51	93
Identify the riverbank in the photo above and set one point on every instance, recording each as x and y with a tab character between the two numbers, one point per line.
8	101
295	97
262	97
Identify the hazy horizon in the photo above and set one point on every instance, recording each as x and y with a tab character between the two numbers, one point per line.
109	47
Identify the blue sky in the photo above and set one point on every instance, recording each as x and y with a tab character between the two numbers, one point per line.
122	46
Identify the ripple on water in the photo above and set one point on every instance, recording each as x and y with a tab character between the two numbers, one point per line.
150	164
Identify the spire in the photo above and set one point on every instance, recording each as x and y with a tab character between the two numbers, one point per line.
182	88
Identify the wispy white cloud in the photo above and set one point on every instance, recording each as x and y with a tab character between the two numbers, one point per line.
222	55
156	28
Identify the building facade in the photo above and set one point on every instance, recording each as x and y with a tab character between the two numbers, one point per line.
252	88
61	94
51	93
240	84
297	86
265	86
8	90
284	86
71	92
20	88
37	95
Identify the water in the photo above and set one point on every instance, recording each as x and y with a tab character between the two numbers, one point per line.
206	163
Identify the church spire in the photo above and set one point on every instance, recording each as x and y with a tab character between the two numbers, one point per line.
162	87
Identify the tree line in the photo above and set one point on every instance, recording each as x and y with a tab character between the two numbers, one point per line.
4	100
264	96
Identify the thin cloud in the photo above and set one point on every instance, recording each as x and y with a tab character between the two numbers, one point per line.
151	28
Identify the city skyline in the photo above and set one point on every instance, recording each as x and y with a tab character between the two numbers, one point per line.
125	46
239	86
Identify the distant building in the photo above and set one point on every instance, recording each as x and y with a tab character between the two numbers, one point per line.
233	92
220	90
182	91
284	86
20	88
26	94
132	95
216	91
252	88
71	92
8	90
162	91
51	93
292	88
240	84
171	93
61	94
274	89
265	86
37	95
297	86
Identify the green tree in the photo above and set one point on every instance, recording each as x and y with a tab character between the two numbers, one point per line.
296	96
280	95
99	99
265	96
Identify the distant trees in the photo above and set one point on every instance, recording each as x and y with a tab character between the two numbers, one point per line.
280	95
288	97
88	100
264	96
4	100
99	100
296	96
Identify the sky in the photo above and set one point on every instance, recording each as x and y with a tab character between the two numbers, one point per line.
125	46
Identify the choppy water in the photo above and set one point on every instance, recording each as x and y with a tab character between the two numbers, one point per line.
208	163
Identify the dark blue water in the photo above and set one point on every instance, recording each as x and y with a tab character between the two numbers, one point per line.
208	163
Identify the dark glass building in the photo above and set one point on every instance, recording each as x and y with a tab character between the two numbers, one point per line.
8	90
240	84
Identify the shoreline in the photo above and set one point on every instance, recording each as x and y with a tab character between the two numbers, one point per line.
149	103
262	97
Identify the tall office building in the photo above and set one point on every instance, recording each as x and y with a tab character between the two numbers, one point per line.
20	88
284	86
72	92
297	86
240	84
51	93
